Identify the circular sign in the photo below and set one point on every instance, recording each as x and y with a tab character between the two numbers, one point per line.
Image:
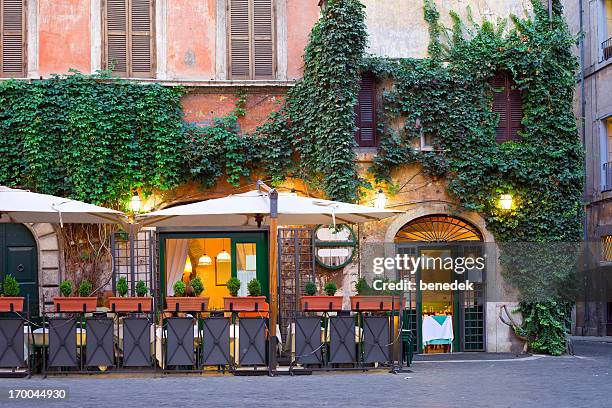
334	247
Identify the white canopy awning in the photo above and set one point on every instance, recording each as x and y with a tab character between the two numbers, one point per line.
25	206
244	209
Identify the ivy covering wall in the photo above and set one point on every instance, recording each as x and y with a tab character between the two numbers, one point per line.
449	96
97	139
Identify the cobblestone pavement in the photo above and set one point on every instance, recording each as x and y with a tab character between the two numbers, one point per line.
584	380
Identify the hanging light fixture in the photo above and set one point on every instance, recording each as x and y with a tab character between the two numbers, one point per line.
380	201
224	256
205	260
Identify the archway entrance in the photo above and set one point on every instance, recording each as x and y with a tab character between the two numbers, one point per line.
19	257
445	318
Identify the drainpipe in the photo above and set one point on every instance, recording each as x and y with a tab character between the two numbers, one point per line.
585	232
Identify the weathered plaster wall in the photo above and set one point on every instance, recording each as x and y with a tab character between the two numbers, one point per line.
301	16
64	36
397	28
191	39
202	105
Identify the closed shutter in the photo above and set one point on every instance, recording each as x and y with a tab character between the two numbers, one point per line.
366	113
508	104
13	38
129	38
251	39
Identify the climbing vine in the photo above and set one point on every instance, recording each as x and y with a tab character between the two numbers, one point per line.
449	96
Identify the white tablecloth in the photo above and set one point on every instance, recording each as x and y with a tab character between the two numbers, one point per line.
432	330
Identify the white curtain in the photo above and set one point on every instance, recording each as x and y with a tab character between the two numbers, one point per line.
177	251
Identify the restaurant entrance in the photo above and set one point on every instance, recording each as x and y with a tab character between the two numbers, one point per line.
447	318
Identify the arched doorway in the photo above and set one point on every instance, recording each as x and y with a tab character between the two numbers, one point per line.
19	258
442	243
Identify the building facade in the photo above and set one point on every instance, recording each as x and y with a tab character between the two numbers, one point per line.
594	106
215	48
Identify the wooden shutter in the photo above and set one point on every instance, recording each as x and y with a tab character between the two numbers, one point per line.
366	113
507	103
251	39
12	21
129	37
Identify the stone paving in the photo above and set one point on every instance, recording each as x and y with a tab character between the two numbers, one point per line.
584	380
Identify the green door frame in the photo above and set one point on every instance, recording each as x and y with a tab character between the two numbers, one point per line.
454	250
259	238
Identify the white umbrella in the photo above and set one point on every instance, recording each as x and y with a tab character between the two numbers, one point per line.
247	208
24	206
257	208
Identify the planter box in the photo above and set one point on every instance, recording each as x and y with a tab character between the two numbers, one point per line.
321	303
11	304
186	304
75	304
244	304
374	303
130	304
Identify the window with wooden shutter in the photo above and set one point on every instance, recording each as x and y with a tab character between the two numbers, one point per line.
12	38
365	112
508	104
251	39
128	38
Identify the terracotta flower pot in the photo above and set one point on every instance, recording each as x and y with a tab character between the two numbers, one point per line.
130	304
321	303
374	303
186	304
244	304
75	304
11	304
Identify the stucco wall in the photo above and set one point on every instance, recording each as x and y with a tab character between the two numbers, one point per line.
64	36
397	28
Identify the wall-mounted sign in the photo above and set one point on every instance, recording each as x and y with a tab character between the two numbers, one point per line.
334	247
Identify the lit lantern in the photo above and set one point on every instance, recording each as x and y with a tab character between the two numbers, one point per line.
380	201
505	202
135	203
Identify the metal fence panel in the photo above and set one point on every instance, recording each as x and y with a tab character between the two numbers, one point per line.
179	341
100	350
252	341
375	339
216	349
62	342
11	343
342	340
136	342
308	340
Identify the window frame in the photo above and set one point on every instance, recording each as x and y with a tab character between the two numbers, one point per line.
228	38
509	92
153	41
375	136
24	42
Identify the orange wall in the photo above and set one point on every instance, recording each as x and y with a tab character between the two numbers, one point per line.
301	16
191	39
203	107
64	36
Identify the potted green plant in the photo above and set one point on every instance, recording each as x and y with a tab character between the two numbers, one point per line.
367	300
328	303
82	303
125	304
254	302
180	302
10	301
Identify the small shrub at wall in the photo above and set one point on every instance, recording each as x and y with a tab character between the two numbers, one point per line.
141	289
65	288
10	286
85	288
122	286
254	288
179	288
233	286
